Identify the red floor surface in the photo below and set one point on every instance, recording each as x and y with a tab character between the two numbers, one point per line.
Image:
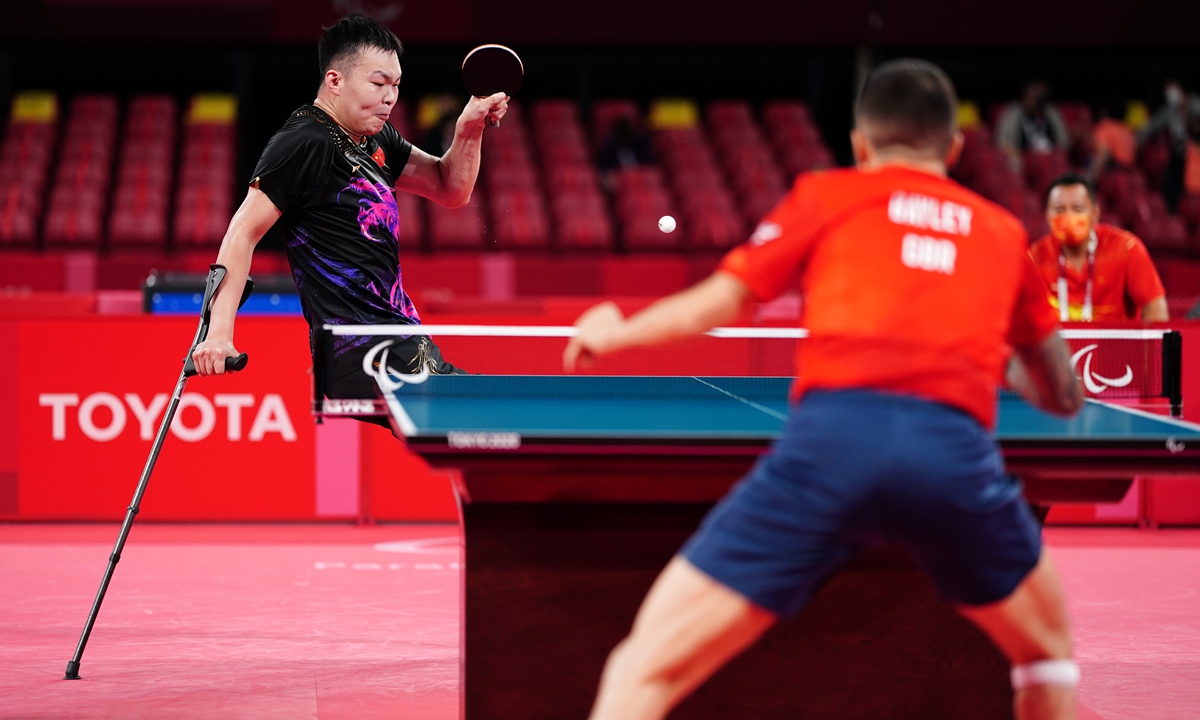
327	621
232	622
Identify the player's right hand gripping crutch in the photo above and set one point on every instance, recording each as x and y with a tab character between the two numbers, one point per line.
216	274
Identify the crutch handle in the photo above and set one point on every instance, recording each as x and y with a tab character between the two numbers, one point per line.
233	364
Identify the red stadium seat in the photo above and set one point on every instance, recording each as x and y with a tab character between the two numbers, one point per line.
806	158
1189	213
701	177
518	217
28	179
714	229
637	204
140	194
561	132
570	176
412	226
644	176
506	154
582	219
564	153
200	226
585	232
1042	168
460	229
201	133
553	112
399	118
17	225
1163	232
128	225
73	225
729	113
208	153
144	180
779	113
510	175
699	198
579	201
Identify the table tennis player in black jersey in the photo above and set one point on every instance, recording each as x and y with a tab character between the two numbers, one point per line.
328	178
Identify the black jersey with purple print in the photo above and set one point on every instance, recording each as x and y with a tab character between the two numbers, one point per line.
339	220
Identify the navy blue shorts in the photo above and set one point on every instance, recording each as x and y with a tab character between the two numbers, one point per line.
856	468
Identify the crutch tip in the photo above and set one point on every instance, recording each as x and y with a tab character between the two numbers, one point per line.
72	671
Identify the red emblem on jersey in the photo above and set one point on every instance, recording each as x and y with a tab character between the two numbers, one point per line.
378	157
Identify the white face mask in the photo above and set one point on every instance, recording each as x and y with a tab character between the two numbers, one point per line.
1174	95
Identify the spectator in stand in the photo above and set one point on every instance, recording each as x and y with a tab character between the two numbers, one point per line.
1032	125
1173	118
625	147
1115	143
1094	272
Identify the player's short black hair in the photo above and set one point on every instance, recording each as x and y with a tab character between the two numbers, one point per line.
1067	180
911	103
352	34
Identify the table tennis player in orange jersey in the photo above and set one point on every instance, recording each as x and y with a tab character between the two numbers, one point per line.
915	288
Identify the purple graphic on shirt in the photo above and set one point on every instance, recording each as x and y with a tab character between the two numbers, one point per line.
378	218
341	284
379	222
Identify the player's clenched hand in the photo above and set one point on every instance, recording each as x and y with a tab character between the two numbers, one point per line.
479	111
598	331
209	356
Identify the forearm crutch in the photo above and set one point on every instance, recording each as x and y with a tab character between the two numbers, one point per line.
216	274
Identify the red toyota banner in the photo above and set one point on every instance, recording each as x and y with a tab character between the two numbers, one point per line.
90	398
81	399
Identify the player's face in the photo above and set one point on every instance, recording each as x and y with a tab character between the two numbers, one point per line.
1071	205
370	91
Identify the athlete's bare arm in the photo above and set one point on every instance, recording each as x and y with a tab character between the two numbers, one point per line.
717	300
1156	311
449	180
251	221
1042	374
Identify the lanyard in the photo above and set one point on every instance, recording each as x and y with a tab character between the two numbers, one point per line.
1064	309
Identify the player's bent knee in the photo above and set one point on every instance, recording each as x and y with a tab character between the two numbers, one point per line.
1058	672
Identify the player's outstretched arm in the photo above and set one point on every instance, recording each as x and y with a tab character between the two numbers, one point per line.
1042	374
251	221
449	180
717	300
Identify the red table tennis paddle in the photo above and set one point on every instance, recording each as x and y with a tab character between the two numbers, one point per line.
490	69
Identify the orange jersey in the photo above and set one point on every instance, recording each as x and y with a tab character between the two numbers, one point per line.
1125	278
912	284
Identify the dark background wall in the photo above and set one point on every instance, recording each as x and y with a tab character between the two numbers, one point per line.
954	23
264	50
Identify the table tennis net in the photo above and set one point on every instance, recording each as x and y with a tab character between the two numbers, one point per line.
1132	366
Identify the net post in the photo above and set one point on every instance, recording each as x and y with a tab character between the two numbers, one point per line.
1172	370
321	334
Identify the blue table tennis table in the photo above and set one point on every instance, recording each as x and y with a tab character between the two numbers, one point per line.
575	491
580	414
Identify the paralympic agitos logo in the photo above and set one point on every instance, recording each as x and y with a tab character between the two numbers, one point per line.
1094	382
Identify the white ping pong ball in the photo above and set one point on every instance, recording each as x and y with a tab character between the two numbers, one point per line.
666	223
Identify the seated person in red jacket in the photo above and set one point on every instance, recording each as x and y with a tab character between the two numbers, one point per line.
1094	272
